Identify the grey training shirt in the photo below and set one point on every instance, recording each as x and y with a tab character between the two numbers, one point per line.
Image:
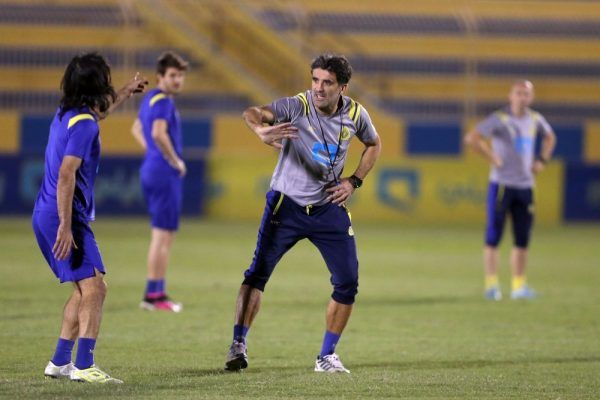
303	170
513	139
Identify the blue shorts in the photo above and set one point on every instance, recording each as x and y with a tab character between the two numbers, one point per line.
162	193
519	204
82	261
328	227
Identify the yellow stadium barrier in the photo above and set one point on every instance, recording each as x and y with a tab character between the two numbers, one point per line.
9	132
406	192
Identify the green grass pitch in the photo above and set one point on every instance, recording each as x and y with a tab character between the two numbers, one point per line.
420	327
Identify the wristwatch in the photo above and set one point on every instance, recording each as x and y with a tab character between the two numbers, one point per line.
355	181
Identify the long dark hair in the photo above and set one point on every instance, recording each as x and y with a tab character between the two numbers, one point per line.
87	82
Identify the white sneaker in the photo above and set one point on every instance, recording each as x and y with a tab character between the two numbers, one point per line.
56	371
237	357
330	363
92	374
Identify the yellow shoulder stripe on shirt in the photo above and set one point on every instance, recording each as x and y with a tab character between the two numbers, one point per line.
504	117
304	101
354	111
77	118
156	98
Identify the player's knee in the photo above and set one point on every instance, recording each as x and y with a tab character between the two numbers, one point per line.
521	242
255	282
492	239
345	293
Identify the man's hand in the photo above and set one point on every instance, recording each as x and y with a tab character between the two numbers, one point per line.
137	85
64	242
339	194
272	135
538	166
180	166
497	161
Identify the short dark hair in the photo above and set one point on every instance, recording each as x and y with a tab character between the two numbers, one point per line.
169	59
337	64
87	82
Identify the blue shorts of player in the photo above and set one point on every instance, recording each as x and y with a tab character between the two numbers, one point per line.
162	192
82	262
519	203
328	227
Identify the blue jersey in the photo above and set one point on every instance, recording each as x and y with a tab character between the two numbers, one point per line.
76	134
157	105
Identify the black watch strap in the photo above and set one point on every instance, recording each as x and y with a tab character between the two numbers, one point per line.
355	181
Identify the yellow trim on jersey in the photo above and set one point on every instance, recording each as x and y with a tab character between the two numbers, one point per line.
281	195
156	98
354	111
504	118
77	118
500	194
304	101
535	117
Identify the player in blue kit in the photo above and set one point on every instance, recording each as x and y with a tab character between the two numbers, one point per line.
513	132
65	206
158	130
307	198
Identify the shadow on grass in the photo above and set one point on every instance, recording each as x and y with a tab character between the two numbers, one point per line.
415	301
468	364
206	372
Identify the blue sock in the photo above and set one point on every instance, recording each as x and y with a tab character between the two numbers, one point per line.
62	354
240	332
329	342
155	286
85	353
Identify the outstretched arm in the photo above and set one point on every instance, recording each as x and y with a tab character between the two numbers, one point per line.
477	142
256	117
341	193
136	85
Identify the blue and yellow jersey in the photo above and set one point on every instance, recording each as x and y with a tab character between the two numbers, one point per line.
75	133
157	105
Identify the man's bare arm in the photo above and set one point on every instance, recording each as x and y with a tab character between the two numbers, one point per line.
64	195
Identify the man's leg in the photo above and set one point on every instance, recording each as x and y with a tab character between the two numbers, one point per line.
518	261
522	222
496	216
276	235
337	317
338	249
491	259
60	365
70	323
159	252
93	293
247	306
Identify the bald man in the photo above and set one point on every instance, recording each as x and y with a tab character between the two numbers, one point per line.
512	131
